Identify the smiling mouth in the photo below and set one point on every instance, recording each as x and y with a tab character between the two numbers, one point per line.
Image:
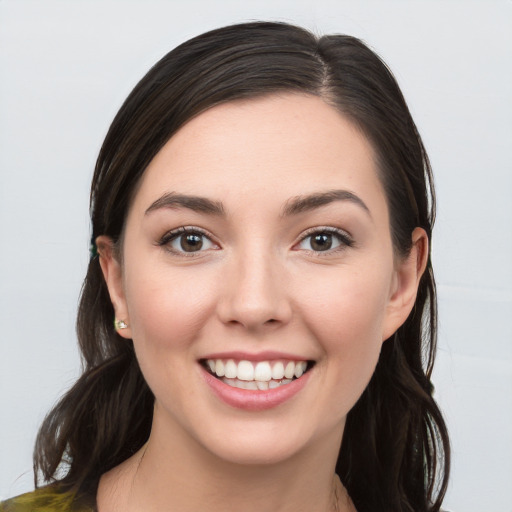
261	375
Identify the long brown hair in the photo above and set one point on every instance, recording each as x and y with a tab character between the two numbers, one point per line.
395	450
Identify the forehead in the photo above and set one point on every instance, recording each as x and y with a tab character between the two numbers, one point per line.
274	147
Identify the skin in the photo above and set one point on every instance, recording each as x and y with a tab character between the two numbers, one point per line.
258	285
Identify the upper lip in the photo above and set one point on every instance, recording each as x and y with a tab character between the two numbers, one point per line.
267	355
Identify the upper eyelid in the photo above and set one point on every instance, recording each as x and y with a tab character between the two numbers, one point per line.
325	229
187	229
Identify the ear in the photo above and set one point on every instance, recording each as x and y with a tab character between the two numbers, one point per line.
408	272
112	272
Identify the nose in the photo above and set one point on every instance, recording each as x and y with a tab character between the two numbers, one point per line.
254	293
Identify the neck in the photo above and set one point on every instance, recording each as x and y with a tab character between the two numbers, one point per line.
174	472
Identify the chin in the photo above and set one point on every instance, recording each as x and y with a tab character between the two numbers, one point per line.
256	452
271	442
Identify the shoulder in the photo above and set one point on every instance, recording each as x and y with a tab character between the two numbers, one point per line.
45	499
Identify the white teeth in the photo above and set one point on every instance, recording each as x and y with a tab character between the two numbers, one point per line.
278	371
219	368
300	368
289	371
255	384
245	370
252	384
261	375
263	372
240	384
230	369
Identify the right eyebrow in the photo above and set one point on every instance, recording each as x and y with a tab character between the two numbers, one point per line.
195	203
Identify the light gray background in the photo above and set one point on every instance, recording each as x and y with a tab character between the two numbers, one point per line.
65	68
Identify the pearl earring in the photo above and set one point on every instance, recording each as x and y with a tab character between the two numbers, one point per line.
120	324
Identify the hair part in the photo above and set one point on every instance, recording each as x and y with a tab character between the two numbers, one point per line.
395	452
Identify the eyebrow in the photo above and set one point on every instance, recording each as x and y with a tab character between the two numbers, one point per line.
195	203
302	204
293	206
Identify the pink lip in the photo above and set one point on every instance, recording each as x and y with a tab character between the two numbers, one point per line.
253	400
260	356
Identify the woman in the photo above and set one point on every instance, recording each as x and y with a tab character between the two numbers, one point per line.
261	210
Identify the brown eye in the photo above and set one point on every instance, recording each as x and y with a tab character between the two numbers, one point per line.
187	240
191	242
325	240
321	242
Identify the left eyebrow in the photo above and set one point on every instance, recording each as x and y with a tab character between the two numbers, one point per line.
302	204
195	203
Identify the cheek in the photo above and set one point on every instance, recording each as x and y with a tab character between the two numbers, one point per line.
346	318
167	309
349	309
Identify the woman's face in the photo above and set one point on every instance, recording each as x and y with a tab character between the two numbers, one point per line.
257	246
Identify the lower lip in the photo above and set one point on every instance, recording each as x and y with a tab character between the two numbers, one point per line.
254	400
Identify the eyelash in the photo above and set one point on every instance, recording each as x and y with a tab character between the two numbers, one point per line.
344	239
175	234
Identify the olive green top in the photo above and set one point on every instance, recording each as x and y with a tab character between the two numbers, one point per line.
45	499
